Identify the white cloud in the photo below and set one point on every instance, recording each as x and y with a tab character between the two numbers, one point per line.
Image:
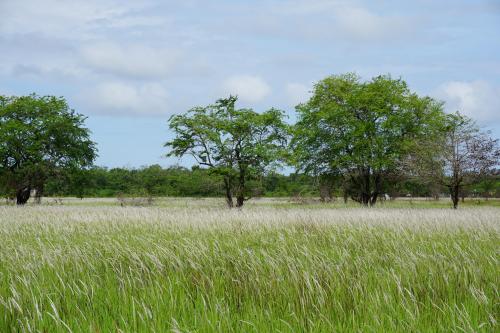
136	61
360	23
70	19
59	18
322	20
297	93
478	99
47	72
249	88
117	98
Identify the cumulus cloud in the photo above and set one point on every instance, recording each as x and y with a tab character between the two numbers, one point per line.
478	99
249	88
297	93
118	98
135	61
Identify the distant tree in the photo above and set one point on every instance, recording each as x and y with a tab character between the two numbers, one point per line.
38	137
80	181
360	131
124	181
233	143
489	186
151	178
462	156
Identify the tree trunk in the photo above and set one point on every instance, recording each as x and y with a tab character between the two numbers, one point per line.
23	195
376	191
345	190
39	194
240	198
366	188
454	191
229	193
325	193
360	186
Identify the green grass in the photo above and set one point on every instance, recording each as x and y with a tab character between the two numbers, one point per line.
207	269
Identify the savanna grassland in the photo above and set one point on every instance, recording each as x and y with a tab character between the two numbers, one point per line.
195	266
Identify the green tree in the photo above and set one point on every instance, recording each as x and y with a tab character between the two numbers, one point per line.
489	186
234	143
40	136
151	179
80	181
361	131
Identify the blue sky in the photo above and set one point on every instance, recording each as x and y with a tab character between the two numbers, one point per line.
129	65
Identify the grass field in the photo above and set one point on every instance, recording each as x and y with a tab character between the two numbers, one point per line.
305	203
194	266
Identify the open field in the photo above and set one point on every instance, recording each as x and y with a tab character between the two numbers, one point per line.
284	202
194	266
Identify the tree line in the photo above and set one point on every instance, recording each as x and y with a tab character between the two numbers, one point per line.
175	181
178	181
358	139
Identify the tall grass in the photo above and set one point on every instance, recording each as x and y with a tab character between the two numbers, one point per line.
112	269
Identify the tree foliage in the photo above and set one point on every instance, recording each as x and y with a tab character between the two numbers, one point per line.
172	181
237	144
361	130
39	137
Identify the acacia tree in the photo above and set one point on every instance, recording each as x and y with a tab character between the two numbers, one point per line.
360	131
39	137
234	143
461	156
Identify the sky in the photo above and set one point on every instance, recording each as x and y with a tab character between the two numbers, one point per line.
129	65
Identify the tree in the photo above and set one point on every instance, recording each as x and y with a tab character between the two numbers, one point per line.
236	144
79	181
39	137
489	186
461	156
360	131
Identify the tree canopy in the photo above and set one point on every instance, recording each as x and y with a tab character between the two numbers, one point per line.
39	137
234	143
361	130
